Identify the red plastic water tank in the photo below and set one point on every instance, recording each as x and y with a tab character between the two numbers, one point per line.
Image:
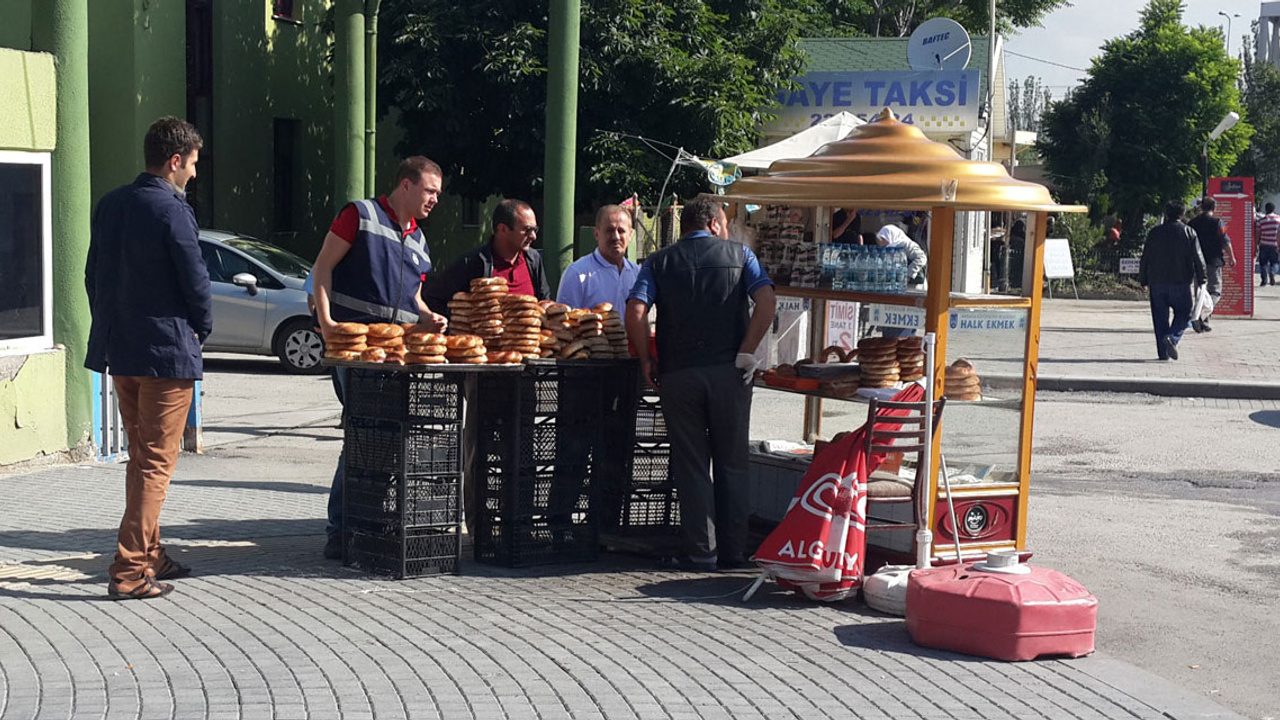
999	615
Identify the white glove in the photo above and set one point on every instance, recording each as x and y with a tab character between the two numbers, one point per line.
746	362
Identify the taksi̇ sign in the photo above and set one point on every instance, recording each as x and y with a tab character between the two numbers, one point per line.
941	101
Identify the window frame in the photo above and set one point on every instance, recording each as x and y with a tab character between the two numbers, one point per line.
44	341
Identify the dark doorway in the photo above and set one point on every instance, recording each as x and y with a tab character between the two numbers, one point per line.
283	170
200	104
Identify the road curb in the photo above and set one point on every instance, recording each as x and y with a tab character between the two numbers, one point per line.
1168	387
1172	700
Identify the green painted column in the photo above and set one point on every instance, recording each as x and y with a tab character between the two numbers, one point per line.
349	102
562	130
371	98
62	28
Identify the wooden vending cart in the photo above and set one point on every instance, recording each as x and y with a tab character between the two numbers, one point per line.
891	166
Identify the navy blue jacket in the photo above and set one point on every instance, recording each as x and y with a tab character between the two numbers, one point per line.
147	283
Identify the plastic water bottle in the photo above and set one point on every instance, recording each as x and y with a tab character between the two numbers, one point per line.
853	268
881	270
899	271
859	269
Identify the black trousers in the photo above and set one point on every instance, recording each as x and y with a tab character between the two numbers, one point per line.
708	414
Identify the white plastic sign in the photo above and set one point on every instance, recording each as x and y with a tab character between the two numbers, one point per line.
1057	259
1129	266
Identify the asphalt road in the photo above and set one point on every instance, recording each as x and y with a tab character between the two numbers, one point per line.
1165	508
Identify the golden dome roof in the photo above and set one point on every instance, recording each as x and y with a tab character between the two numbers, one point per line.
889	165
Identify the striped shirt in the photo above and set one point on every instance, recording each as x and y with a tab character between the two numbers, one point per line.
1268	229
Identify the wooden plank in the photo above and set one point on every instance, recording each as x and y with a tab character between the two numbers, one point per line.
942	233
1030	368
981	301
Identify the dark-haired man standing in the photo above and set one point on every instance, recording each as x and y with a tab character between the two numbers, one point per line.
508	255
1170	262
1215	247
707	336
151	311
370	270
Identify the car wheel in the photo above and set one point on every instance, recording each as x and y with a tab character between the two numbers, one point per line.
300	347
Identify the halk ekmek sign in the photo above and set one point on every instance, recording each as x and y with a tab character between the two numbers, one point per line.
941	101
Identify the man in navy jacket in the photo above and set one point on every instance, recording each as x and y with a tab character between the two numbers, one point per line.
152	310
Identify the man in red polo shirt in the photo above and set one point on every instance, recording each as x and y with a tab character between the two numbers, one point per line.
507	255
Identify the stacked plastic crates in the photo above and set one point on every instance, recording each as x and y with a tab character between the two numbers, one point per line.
538	435
644	507
402	499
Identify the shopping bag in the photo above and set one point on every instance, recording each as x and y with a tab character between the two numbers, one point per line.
1203	307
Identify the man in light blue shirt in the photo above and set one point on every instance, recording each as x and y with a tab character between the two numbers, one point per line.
605	275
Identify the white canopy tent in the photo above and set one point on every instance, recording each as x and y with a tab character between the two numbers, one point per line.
801	145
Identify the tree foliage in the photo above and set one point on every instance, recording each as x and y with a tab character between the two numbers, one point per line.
1027	102
1260	91
1130	136
468	81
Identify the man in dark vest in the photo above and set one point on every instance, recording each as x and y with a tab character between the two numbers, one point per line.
1215	247
706	336
152	310
1171	260
508	254
370	270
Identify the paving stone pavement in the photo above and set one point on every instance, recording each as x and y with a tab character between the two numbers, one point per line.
1111	338
265	629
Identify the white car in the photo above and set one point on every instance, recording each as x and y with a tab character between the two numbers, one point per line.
259	306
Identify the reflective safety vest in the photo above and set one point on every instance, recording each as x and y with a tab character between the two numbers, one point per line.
379	277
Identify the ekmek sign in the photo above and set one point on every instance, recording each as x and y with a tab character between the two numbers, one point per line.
938	102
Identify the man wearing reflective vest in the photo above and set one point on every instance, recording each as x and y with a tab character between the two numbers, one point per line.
706	338
370	270
1268	253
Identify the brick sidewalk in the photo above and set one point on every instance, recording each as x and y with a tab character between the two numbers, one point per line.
1108	338
267	629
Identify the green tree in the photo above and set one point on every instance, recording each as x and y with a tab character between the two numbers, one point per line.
1130	136
468	82
1260	90
1027	102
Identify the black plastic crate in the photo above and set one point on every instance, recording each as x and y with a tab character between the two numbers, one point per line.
380	503
416	397
651	464
407	554
383	445
650	424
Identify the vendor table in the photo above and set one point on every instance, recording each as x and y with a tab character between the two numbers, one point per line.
538	459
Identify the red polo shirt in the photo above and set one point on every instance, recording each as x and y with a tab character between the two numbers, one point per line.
519	281
348	221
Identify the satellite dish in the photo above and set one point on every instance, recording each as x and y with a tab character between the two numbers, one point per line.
939	44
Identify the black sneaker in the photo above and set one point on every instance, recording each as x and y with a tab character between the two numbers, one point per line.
1171	348
1198	326
333	548
687	564
1205	324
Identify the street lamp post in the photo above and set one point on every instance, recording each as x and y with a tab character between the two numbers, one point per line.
1224	14
1223	125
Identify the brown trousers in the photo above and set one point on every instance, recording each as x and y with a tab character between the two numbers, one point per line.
154	412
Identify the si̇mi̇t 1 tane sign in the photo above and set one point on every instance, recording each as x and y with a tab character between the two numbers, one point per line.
938	102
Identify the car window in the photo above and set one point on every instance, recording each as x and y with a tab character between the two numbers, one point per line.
278	259
210	254
233	264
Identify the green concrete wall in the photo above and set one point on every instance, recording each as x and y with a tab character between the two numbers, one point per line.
15	30
28	112
32	406
266	69
32	387
137	73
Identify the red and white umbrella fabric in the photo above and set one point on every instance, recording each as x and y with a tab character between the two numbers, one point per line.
818	548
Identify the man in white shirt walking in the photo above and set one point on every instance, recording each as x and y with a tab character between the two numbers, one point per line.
606	275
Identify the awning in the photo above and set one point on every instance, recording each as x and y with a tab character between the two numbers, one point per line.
801	145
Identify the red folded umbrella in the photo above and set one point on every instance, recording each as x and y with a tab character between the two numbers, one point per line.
818	547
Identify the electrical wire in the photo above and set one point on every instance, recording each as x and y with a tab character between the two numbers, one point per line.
1046	62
